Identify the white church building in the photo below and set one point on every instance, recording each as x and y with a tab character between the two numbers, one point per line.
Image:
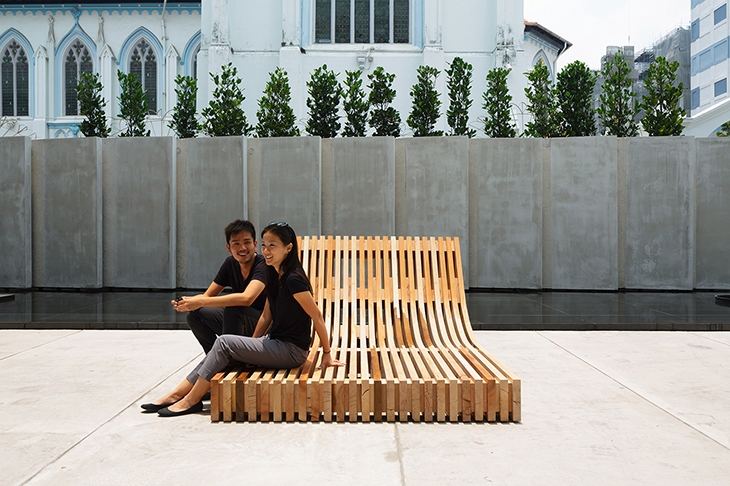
45	45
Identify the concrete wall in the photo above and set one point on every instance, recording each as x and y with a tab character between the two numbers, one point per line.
358	186
589	213
15	212
506	213
285	183
211	192
583	214
67	217
712	237
139	213
432	188
660	213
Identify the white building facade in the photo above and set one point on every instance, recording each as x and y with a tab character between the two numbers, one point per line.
710	68
44	47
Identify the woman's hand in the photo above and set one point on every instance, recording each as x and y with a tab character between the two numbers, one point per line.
327	360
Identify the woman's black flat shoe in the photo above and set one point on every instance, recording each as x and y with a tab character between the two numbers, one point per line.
153	407
166	412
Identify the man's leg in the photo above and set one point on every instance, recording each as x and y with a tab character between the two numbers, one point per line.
240	320
206	324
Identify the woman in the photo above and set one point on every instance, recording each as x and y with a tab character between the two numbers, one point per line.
287	317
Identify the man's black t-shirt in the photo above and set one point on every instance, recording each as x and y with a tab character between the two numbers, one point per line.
290	322
229	275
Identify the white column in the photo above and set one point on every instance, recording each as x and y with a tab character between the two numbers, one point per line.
172	61
291	25
433	54
40	92
107	70
432	23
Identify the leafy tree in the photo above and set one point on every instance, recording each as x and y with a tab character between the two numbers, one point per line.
426	104
323	103
574	93
617	110
724	130
184	123
88	92
355	104
662	114
224	115
542	104
458	81
384	119
133	107
497	101
276	116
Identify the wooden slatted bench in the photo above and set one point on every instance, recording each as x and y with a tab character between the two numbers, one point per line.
396	311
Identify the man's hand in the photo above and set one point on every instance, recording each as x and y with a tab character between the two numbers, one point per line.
188	303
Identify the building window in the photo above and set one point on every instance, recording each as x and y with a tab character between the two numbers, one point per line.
720	51
721	87
695	98
143	63
695	30
720	14
14	79
194	72
362	21
78	60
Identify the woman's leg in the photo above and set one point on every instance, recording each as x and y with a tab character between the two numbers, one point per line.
179	392
194	395
264	352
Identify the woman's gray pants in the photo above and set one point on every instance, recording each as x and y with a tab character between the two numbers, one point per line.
263	352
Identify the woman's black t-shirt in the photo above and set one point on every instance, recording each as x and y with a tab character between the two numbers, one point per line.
290	322
229	275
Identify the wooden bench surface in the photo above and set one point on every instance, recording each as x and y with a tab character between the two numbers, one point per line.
396	311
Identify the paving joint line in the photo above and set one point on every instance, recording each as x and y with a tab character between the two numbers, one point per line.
710	339
634	391
78	442
399	451
42	344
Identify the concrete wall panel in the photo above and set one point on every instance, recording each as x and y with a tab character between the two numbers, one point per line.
15	213
210	194
285	183
67	224
363	186
659	213
434	184
584	213
712	203
139	213
506	216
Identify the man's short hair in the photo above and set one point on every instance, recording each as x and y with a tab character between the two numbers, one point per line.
239	226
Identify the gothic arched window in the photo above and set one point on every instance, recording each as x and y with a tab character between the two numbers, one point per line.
362	21
14	71
78	59
143	63
194	72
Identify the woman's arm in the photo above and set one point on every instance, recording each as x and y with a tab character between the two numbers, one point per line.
310	307
264	321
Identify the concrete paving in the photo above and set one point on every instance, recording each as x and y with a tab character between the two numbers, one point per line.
598	408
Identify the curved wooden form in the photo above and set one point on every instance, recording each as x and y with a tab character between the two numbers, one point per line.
396	311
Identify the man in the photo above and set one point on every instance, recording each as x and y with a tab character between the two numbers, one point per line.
211	314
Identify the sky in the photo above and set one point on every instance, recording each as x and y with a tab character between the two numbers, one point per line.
591	25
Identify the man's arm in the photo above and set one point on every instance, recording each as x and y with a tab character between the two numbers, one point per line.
237	299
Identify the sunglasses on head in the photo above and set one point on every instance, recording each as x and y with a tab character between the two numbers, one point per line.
279	223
